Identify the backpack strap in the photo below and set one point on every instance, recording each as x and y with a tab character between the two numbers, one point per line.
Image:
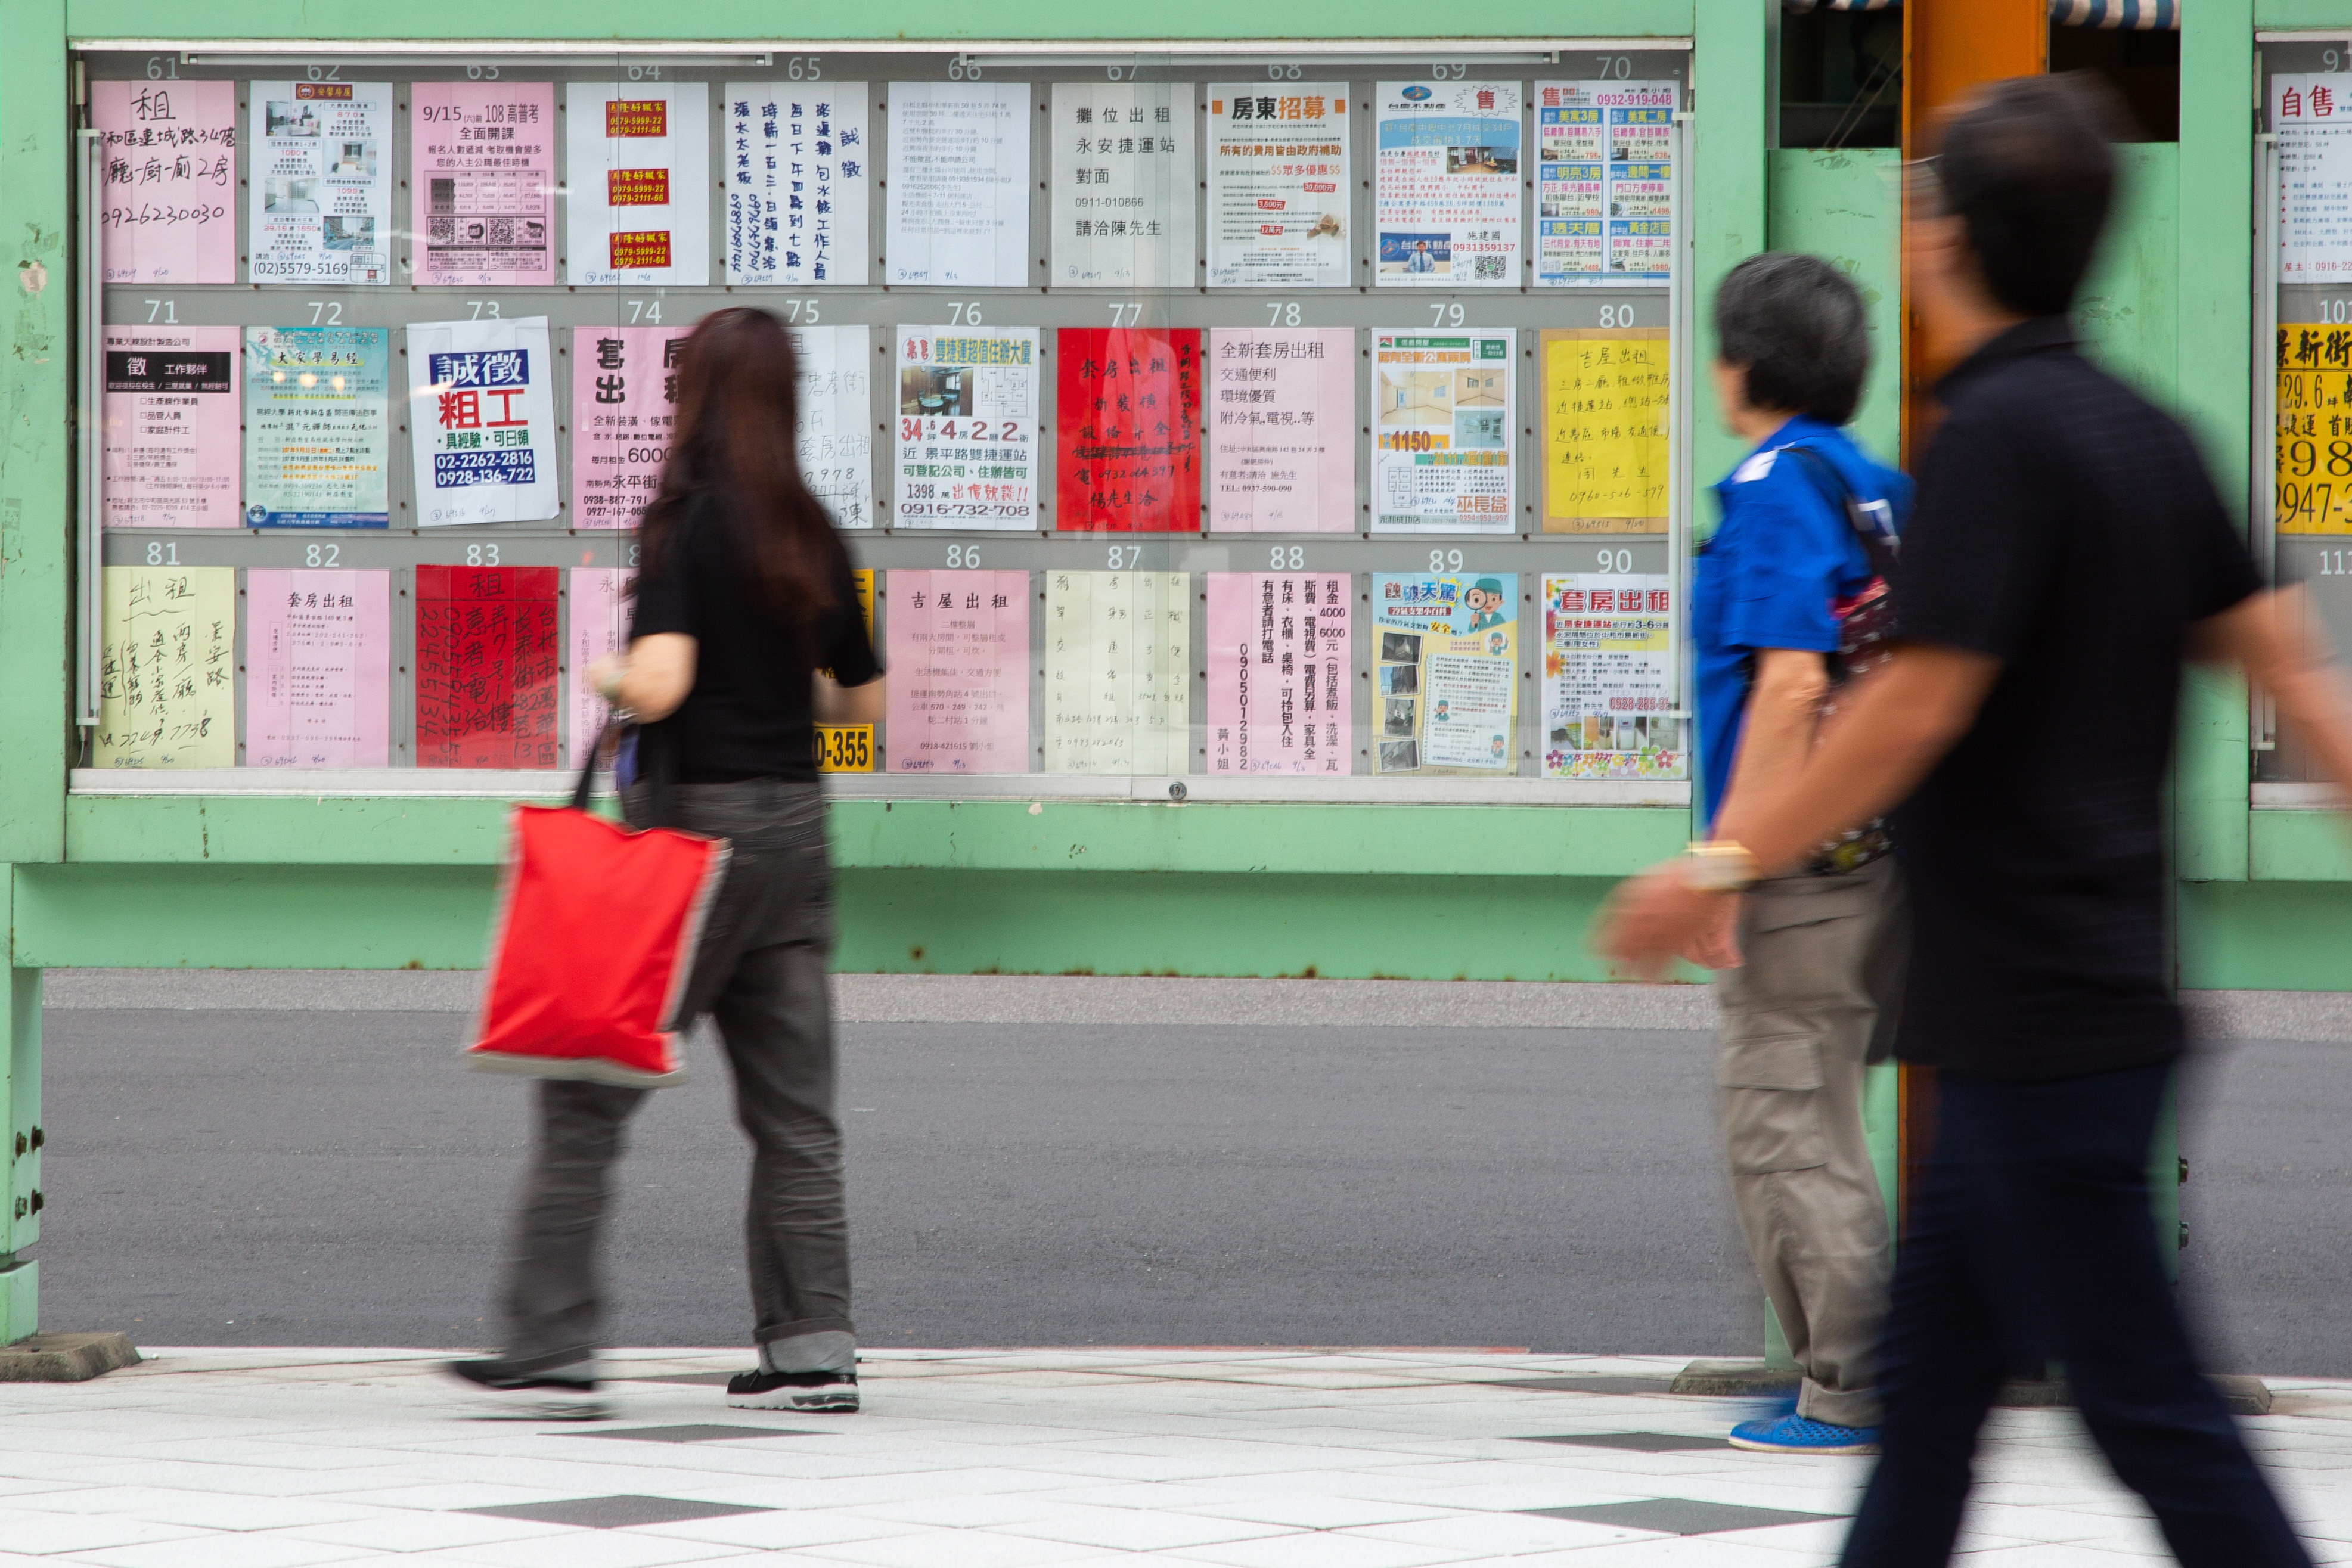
1871	521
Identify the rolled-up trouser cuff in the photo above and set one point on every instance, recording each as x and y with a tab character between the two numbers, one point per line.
1839	1407
768	1333
539	1364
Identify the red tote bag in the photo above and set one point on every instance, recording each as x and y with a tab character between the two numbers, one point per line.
593	946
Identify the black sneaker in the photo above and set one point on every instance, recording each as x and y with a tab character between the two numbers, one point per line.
759	1389
553	1394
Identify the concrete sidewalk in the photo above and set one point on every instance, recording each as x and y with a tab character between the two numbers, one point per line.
1246	1458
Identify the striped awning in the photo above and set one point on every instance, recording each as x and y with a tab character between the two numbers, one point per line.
2140	15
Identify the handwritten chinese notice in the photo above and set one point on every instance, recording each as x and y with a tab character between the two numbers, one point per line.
1282	429
797	172
1447	196
2315	429
637	188
486	657
1279	188
835	434
316	437
1605	415
170	443
1123	185
1118	672
1608	680
167	668
167	181
482	417
967	427
1444	408
598	600
623	413
321	188
959	660
1129	429
958	213
1445	652
318	668
1279	676
483	182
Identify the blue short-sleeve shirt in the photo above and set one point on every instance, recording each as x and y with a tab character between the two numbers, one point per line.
1781	556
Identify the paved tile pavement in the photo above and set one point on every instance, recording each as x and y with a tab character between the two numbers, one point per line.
1243	1458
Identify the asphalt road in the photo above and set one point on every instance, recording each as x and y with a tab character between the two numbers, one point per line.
336	1178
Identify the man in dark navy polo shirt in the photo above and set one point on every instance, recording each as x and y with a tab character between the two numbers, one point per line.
2068	552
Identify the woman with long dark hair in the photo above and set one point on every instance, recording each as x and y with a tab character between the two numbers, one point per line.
746	636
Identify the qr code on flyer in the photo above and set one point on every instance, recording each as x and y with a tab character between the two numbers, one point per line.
1490	267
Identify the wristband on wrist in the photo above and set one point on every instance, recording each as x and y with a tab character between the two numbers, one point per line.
1720	867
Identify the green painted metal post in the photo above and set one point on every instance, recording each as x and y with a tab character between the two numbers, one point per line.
20	1125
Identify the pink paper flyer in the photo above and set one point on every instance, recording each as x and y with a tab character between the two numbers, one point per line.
599	602
624	401
167	184
1282	430
1280	681
318	658
957	653
172	428
482	183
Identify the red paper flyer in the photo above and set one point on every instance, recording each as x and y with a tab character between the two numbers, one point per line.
486	657
1128	431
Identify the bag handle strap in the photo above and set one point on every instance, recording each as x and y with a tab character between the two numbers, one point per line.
1871	521
656	759
582	790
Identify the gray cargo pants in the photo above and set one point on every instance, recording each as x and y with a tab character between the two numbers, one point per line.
760	973
1816	1000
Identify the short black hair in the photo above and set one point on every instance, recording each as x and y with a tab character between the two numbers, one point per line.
1795	325
2027	169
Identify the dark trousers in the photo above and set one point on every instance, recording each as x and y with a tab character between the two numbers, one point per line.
760	973
2033	1240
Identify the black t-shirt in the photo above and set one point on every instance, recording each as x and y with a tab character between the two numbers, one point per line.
752	712
2067	528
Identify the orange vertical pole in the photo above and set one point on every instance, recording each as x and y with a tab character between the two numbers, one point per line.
1949	47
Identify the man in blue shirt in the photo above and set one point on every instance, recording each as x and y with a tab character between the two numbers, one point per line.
1810	964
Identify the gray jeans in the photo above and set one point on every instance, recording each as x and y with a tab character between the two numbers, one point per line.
1815	1002
760	973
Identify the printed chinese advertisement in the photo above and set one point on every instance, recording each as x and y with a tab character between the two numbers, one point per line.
1443	407
623	410
321	186
2315	429
849	747
958	210
1605	183
486	657
1608	680
2312	115
482	193
1278	187
167	668
317	440
836	433
1446	191
317	662
482	420
1445	672
967	428
959	661
1605	418
171	443
1118	672
1282	430
1122	185
796	173
1279	675
167	181
638	185
599	625
1128	407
